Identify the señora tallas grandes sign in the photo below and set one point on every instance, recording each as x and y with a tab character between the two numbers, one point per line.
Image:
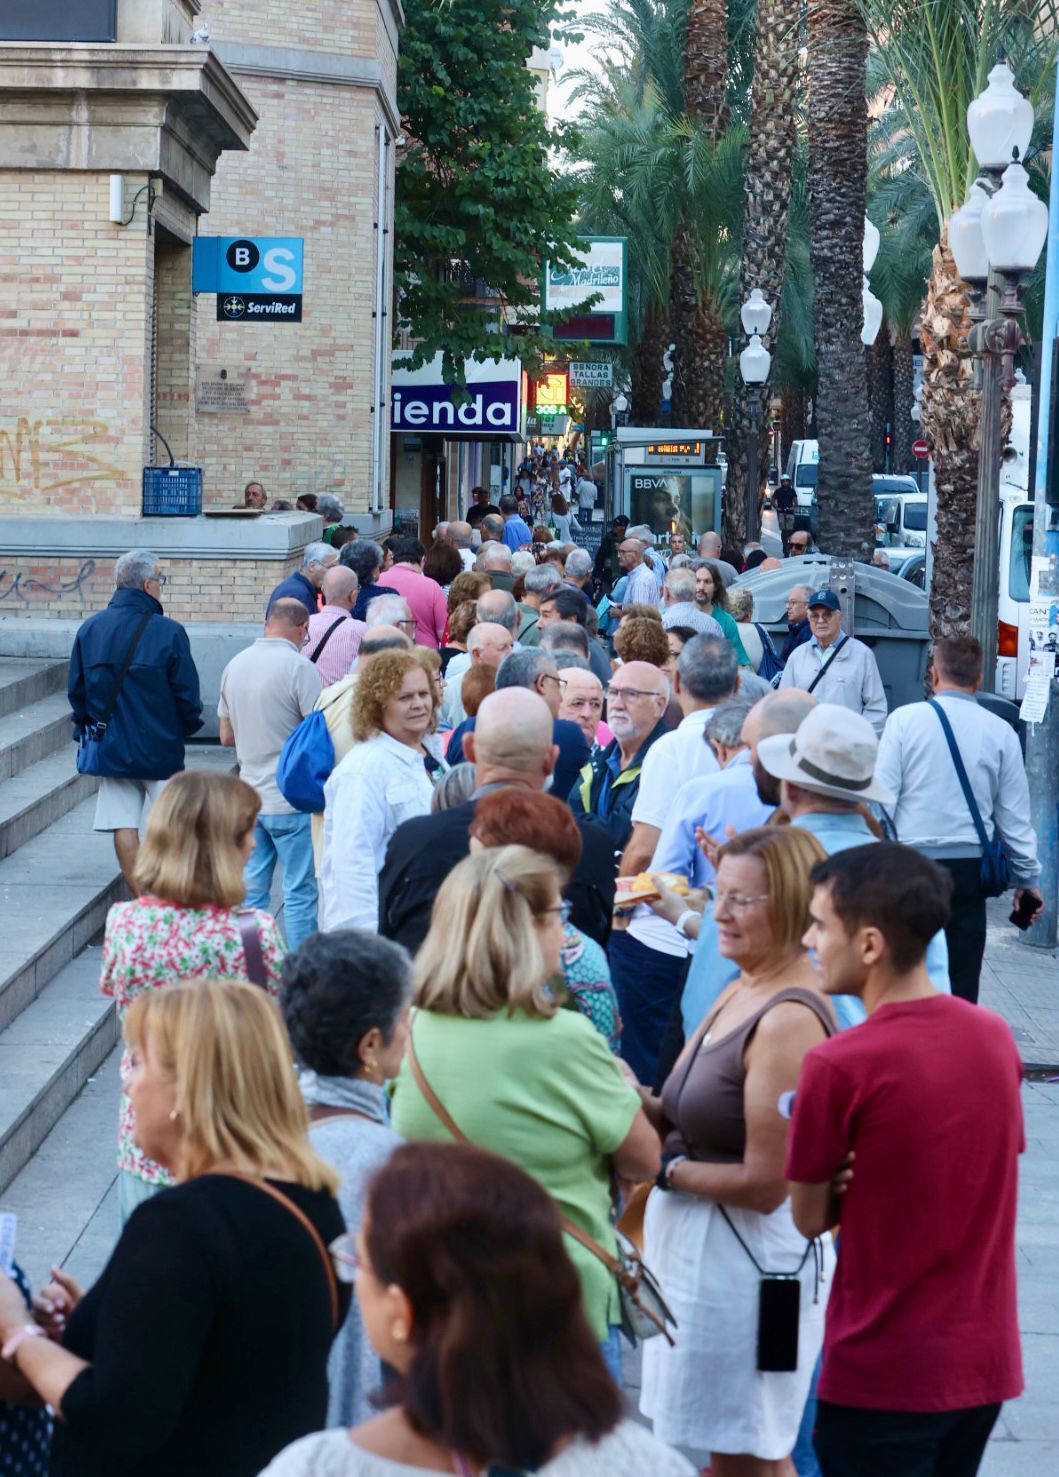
492	408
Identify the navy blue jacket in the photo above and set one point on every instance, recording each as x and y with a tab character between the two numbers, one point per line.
572	757
159	705
798	634
296	586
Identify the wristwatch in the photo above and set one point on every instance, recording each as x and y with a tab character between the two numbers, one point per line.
18	1338
665	1174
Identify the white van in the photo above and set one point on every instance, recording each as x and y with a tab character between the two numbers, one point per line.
803	467
1016	552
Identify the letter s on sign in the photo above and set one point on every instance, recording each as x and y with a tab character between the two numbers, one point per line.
277	260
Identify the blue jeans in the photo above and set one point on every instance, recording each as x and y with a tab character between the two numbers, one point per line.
610	1348
803	1456
288	839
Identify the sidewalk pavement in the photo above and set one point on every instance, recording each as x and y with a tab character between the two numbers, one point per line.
1022	985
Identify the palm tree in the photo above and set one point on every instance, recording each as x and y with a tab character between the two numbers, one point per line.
934	55
768	183
838	126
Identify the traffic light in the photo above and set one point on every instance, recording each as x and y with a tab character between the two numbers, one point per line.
604	440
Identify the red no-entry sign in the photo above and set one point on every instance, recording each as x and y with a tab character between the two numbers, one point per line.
920	449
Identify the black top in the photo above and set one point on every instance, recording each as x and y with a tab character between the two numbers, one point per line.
207	1334
423	851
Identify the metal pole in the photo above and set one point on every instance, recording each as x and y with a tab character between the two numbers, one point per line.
1042	739
753	405
986	573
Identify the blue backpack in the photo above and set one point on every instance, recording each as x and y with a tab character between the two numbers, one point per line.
771	662
305	764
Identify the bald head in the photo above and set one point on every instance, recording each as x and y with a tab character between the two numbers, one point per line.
779	712
512	738
461	534
499	608
710	545
340	587
383	638
636	699
488	642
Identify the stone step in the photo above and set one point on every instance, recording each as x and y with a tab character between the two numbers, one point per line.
25	680
34	731
47	1055
32	800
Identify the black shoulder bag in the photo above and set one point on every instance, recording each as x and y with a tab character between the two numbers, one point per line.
90	738
325	638
827	664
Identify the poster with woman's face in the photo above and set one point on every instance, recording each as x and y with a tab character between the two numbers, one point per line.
672	502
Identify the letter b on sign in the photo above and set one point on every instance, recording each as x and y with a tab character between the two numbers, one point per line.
242	256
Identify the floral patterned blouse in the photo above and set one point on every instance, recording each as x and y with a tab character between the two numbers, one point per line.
150	943
586	975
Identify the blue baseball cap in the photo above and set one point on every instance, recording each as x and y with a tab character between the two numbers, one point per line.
824	597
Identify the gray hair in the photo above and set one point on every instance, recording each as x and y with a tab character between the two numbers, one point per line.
707	668
680	561
642	532
565	636
522	562
493	553
542	578
680	584
740	603
725	723
328	506
453	788
522	667
387	610
498	608
684	613
565	659
317	553
752	685
134	569
363	556
578	563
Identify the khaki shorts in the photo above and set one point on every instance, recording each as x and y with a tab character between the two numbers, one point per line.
124	805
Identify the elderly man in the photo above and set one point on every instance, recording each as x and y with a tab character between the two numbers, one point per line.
530	667
511	745
644	534
304	584
461	537
486	642
424	595
577	571
391	610
133	688
334	637
516	530
266	691
493	608
580	699
538	582
491	529
254	496
610	781
494	559
835	667
798	630
570	606
710	548
679	607
642	588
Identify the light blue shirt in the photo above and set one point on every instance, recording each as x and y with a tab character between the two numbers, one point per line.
710	973
516	532
851	680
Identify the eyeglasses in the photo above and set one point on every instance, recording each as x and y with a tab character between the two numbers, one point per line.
406	623
347	1261
799	545
551	677
156	579
625	693
564	909
737	903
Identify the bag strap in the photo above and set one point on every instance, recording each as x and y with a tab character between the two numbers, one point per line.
256	972
760	1269
325	638
124	670
442	1113
827	664
299	1215
961	773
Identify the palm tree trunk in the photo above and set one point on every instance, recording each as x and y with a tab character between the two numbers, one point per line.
838	50
904	426
648	371
683	302
763	259
950	424
880	396
792	417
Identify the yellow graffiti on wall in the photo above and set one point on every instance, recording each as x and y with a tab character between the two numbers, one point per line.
40	456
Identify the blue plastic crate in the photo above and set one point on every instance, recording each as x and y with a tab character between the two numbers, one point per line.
172	492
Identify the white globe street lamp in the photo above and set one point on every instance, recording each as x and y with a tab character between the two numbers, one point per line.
1000	120
755	314
755	362
966	241
871	244
1014	224
873	315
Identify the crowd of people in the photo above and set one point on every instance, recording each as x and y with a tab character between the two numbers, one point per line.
625	985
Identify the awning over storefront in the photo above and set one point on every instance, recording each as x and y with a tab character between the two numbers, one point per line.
493	409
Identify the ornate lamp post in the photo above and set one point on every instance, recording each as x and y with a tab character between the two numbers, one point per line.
754	364
996	237
873	308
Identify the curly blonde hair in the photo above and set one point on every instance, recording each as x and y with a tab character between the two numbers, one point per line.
640	639
378	681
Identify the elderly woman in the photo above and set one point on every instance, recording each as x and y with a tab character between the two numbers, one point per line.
462	620
332	512
519	1075
202	1349
187	923
721	1219
345	1001
365	557
515	817
741	609
381	782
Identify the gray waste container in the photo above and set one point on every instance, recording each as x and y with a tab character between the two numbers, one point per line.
890	615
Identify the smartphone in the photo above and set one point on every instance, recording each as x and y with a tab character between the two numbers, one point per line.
779	1304
1022	916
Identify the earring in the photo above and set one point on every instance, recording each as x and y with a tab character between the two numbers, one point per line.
174	1114
399	1333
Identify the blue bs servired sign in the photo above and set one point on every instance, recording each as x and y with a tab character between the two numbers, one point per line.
257	279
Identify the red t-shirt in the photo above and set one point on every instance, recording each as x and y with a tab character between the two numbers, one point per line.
923	1314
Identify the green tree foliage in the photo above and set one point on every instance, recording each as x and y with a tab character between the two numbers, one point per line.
478	208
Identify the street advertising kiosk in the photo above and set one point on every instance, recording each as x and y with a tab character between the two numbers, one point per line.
668	479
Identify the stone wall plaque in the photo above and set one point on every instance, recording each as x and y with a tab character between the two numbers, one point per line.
221	391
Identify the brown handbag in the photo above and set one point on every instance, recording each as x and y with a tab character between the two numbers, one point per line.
644	1310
